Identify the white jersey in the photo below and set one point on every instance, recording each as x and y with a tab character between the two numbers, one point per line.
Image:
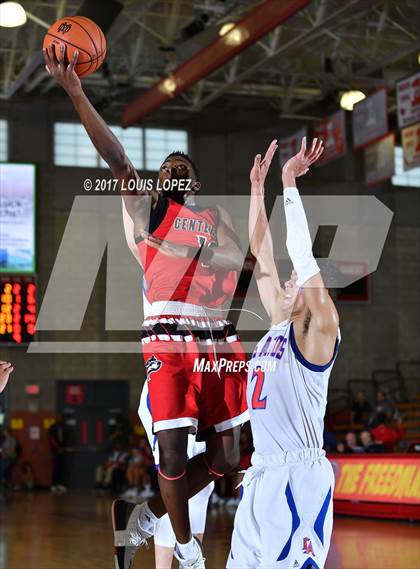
286	394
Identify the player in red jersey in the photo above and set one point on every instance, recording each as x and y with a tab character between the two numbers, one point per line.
190	257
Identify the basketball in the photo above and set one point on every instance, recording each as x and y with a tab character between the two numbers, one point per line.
82	34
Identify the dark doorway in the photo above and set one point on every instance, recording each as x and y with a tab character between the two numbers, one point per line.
91	412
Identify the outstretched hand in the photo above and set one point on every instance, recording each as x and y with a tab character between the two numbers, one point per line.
260	168
62	72
299	164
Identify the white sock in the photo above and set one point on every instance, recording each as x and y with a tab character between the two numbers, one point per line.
187	550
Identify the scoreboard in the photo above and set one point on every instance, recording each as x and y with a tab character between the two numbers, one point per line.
17	309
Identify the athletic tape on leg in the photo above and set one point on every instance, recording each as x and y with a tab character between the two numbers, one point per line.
211	470
171	478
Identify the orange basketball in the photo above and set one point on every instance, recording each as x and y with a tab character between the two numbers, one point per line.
78	33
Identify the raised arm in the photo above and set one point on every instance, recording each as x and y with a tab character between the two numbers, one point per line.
261	241
324	317
104	140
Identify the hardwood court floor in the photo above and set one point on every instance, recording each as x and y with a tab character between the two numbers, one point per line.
73	531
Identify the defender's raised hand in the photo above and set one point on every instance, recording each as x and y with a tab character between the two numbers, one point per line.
62	72
299	164
260	168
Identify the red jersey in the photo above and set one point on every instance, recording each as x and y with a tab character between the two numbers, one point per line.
388	436
184	280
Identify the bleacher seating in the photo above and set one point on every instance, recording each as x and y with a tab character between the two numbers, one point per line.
394	382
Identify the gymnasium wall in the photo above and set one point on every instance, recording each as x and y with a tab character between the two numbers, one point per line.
224	142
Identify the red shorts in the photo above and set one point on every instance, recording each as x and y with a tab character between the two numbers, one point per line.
196	373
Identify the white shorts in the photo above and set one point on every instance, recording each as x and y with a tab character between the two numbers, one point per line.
164	534
285	516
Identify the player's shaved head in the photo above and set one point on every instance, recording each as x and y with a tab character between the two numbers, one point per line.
186	157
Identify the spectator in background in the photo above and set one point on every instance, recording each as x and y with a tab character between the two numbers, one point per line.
341	448
368	444
6	369
28	475
137	477
136	470
414	447
383	407
387	435
56	439
361	409
351	443
121	432
112	474
8	455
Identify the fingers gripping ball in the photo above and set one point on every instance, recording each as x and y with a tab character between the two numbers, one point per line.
81	34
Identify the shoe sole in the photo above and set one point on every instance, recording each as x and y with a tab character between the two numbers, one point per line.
119	552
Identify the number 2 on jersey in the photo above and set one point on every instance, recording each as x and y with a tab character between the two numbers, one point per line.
257	402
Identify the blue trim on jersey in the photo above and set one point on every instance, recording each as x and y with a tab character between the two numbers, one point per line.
310	563
148	403
300	358
320	520
295	523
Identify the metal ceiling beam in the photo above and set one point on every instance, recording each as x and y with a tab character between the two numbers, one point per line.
297	41
395	56
253	26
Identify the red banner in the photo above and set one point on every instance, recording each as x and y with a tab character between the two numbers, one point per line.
380	160
377	479
333	132
408	100
370	119
410	137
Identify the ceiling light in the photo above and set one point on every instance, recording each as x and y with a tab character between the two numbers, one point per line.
226	28
168	86
12	14
350	98
235	36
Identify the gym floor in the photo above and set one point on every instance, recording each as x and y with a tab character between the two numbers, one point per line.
74	531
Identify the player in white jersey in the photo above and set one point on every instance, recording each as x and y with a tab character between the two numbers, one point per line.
284	519
164	536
